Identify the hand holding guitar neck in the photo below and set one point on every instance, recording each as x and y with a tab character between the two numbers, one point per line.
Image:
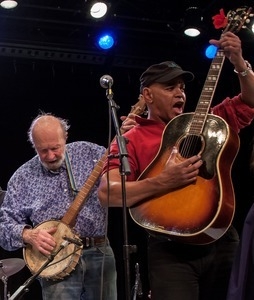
129	121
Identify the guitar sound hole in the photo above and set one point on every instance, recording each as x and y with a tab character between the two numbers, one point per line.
190	145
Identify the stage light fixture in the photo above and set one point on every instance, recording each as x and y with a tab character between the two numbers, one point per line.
8	4
105	41
211	51
98	10
193	21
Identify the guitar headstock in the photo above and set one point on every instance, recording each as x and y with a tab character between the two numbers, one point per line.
238	19
139	109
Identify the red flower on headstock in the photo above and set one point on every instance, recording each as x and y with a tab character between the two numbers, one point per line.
220	20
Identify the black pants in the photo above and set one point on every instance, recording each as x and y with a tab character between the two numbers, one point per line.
191	272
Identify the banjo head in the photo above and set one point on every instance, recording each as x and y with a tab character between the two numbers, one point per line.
63	263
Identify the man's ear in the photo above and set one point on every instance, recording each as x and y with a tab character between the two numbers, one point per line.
148	95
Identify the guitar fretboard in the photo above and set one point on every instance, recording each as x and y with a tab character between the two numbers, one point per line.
207	94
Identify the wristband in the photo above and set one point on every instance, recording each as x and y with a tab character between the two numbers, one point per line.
244	73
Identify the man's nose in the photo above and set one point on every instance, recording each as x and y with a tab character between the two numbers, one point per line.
50	154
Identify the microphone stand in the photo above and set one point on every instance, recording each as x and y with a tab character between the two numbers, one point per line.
25	287
138	285
4	280
124	170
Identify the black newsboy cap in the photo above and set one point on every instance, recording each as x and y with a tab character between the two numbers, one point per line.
162	73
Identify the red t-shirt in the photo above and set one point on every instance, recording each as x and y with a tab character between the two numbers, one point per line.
144	140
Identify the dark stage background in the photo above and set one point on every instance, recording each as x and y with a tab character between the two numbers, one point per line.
74	92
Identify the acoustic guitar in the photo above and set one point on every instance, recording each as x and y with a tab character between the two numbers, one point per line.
67	255
199	213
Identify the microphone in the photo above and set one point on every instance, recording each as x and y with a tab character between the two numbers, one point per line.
106	81
73	241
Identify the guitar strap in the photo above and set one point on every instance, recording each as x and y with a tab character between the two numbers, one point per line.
70	174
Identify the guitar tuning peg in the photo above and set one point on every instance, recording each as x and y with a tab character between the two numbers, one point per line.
247	21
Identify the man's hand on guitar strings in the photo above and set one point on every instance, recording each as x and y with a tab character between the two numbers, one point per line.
42	240
177	173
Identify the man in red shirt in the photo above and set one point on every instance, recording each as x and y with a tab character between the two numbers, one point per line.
181	270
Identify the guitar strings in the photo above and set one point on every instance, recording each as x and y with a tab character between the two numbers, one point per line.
60	260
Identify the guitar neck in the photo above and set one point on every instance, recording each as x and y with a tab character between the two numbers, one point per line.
236	20
207	94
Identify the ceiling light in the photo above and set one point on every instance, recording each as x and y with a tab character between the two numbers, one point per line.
8	4
98	10
193	21
192	32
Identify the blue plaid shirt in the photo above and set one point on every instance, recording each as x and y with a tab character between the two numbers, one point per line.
35	195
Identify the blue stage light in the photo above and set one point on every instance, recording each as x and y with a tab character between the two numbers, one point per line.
211	51
106	41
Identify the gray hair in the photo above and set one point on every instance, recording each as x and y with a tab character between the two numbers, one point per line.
63	122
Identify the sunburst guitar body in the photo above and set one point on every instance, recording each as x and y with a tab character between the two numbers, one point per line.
199	213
